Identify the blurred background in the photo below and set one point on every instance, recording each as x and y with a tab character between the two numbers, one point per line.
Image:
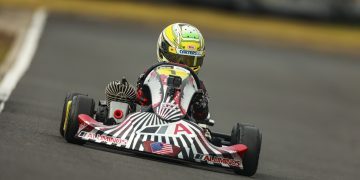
291	67
325	25
331	10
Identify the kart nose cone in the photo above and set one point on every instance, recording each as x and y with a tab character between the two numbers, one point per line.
118	114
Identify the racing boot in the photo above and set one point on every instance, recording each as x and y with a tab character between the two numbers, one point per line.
206	131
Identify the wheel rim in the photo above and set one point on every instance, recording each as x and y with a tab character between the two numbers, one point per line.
68	107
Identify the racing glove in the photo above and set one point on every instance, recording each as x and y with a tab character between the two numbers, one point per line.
199	106
143	94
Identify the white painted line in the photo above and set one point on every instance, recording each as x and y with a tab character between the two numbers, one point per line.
24	57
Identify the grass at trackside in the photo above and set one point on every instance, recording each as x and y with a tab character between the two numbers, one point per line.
331	38
5	44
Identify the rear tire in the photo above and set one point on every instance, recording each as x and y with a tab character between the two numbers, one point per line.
80	105
250	136
69	97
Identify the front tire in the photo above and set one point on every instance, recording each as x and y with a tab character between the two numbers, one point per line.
250	136
80	105
66	110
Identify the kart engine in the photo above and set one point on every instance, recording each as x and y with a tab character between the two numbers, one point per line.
120	97
120	91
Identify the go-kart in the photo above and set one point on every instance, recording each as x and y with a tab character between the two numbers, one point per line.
165	129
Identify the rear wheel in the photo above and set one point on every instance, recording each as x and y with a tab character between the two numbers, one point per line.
250	136
80	105
66	110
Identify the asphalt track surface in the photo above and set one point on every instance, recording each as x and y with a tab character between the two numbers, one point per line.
306	104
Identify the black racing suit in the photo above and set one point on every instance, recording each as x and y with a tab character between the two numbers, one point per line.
198	109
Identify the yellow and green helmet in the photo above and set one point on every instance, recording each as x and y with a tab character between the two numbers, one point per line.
181	43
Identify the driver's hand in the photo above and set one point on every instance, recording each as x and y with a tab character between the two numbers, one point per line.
200	100
140	80
200	108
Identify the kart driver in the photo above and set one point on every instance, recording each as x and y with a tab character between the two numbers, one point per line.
178	43
174	44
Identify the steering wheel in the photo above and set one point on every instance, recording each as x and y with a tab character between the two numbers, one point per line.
197	80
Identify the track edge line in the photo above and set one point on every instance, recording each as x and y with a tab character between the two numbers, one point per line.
24	56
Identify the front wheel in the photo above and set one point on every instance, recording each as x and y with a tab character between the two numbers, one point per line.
66	110
250	136
80	105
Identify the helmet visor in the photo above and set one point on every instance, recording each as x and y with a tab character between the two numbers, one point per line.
191	61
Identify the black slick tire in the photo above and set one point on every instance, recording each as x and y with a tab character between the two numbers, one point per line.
69	97
80	105
250	136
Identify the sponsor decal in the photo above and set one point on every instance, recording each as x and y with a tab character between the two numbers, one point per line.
102	138
221	160
191	47
161	148
190	53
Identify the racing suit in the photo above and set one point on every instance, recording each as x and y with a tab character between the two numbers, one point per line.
198	109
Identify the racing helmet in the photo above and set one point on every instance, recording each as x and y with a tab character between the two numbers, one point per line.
181	43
